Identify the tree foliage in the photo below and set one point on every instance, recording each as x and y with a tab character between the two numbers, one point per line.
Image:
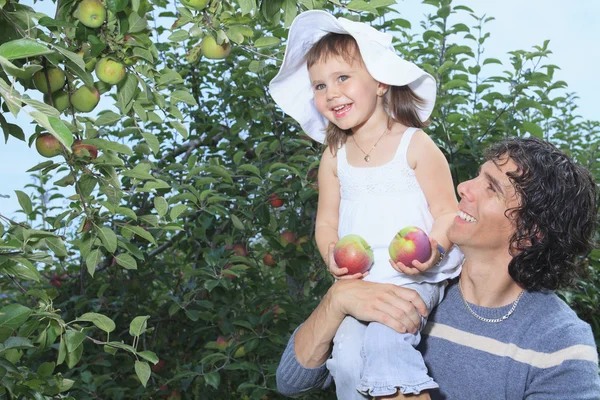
178	259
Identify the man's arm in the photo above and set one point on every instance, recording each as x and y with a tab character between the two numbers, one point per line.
302	367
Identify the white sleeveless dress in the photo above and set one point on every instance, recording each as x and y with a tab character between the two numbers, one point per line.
377	202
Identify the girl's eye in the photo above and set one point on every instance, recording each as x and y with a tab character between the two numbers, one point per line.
320	86
342	78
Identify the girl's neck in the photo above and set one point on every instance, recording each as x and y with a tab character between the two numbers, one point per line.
374	126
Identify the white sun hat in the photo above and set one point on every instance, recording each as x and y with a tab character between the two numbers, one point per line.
291	88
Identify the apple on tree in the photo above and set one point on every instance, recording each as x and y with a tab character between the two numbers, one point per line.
56	77
60	100
85	99
91	13
212	50
195	4
110	71
85	150
410	244
287	237
275	200
269	260
353	252
47	145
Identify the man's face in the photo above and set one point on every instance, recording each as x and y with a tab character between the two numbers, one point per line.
482	221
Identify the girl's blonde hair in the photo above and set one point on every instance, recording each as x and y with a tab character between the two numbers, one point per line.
402	104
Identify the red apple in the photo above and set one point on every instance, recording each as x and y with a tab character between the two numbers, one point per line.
222	343
47	145
227	274
353	252
79	149
56	283
287	237
269	260
159	366
275	200
240	250
410	244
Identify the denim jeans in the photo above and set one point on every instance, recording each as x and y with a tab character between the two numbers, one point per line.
370	359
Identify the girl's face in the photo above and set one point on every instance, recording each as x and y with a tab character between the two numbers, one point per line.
345	93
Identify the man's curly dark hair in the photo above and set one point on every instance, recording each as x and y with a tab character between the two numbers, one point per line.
556	218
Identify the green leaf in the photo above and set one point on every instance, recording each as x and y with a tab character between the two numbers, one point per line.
180	128
177	210
247	6
108	118
26	72
533	128
55	127
13	316
492	61
126	92
152	142
267	41
179	36
101	321
46	369
108	238
183	96
92	261
62	351
290	9
74	339
57	246
136	24
161	206
140	171
74	58
104	144
361	5
23	48
149	355
74	356
116	5
126	261
141	232
25	202
138	325
237	223
213	379
142	369
15	342
128	212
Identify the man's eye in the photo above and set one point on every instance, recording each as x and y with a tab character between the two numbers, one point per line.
491	187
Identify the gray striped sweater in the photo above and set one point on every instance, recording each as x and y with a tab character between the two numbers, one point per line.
542	352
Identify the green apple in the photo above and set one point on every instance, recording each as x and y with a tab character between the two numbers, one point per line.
47	145
195	4
56	76
91	13
90	63
85	99
212	50
60	100
110	71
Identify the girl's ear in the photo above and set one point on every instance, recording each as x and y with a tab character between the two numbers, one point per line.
382	89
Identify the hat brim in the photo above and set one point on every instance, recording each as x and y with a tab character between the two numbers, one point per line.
291	88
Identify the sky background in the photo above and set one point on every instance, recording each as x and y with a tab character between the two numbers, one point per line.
571	26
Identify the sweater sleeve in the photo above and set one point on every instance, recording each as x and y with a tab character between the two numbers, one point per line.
571	370
293	379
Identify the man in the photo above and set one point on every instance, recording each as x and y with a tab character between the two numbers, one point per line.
500	332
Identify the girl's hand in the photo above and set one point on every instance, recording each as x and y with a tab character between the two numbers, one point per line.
418	267
337	272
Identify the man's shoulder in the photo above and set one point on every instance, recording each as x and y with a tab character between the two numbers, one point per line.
554	323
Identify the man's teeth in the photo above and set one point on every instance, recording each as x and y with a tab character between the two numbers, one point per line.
466	217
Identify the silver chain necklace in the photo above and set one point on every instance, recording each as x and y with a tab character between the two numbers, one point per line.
489	320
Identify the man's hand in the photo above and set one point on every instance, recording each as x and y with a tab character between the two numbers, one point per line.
337	272
394	306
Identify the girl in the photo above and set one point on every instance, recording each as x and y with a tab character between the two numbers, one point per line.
343	82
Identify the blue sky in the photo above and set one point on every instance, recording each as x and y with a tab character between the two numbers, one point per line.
571	26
